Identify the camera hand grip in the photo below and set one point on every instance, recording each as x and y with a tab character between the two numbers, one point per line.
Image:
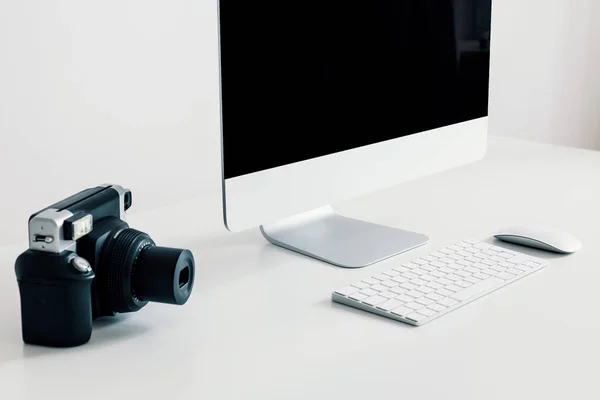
56	307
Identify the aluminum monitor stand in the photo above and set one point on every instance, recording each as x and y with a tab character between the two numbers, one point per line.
338	240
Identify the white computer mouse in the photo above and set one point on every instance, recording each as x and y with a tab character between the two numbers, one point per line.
540	237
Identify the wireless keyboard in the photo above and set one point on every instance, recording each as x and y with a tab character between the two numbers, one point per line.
431	286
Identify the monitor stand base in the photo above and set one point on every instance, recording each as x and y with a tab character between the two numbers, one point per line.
338	240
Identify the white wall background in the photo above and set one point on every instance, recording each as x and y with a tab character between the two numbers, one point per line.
126	91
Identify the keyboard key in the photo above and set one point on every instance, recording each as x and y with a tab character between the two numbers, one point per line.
405	299
391	272
518	259
374	300
357	296
447	302
371	281
471	270
428	258
401	269
490	272
436	307
446	260
505	255
471	279
402	311
454	257
414	293
399	279
437	254
361	285
437	264
446	251
514	271
454	277
389	305
453	288
425	301
419	261
482	245
418	282
389	283
398	290
388	295
496	258
409	275
463	253
520	267
481	256
444	281
425	289
444	292
505	276
463	284
477	288
434	296
368	292
414	305
532	264
481	276
428	278
348	290
379	288
426	312
472	259
408	286
435	285
429	267
462	273
464	263
419	271
381	277
437	274
446	270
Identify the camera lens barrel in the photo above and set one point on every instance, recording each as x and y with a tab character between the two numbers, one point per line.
164	275
135	271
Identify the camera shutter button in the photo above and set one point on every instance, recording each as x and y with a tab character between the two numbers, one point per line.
81	264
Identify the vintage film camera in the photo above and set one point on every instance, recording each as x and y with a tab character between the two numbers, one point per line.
85	262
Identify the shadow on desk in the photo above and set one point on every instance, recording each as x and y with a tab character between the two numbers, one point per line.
106	331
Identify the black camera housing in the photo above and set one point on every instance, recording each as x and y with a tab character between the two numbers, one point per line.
85	262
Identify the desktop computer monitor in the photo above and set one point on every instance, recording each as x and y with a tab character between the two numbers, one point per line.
325	101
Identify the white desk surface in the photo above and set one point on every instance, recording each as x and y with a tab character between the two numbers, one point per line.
260	323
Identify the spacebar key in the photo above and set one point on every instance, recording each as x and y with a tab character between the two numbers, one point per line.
479	287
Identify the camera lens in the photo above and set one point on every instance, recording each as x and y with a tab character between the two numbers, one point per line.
164	275
133	271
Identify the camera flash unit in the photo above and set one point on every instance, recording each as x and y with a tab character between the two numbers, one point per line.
77	227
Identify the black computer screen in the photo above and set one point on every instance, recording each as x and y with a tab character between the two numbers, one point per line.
303	79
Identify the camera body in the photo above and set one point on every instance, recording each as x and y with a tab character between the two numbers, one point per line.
85	262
